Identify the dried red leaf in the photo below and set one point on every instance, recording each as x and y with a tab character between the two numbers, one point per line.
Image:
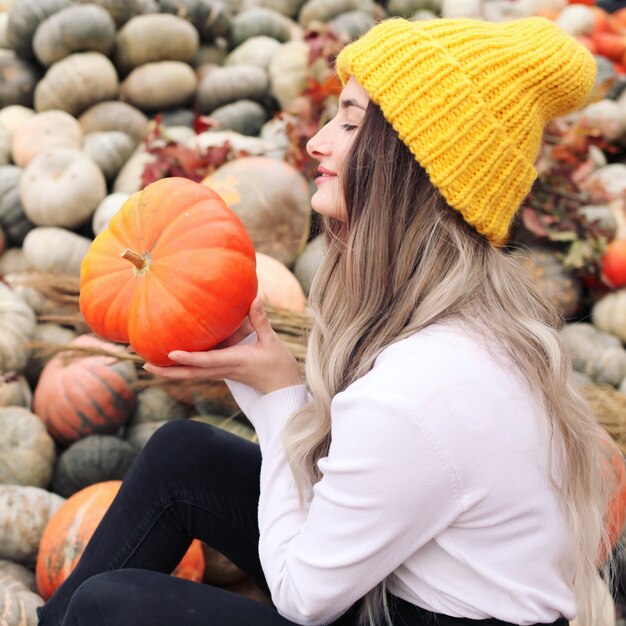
533	222
202	123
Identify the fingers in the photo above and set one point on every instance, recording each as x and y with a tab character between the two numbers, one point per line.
259	320
179	372
212	365
214	360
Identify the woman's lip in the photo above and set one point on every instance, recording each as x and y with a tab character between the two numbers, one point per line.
324	176
320	180
323	170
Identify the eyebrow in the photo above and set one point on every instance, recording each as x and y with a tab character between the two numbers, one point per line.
348	102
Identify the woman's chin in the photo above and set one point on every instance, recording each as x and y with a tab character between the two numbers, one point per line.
326	203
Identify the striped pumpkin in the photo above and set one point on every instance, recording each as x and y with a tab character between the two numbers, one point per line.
84	395
70	528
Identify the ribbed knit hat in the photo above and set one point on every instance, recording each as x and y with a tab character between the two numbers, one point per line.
470	99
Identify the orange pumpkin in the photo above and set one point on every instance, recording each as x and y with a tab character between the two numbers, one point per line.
614	263
620	17
175	269
610	45
81	396
71	527
192	565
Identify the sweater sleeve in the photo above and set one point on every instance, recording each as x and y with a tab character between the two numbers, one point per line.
387	489
244	395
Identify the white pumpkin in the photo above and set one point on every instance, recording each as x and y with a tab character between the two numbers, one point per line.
50	129
18	572
18	600
51	249
24	513
609	313
61	187
576	19
257	51
462	8
251	146
14	260
13	115
129	178
605	116
160	85
106	210
15	391
157	37
611	178
287	71
278	287
5	146
4	22
27	451
17	326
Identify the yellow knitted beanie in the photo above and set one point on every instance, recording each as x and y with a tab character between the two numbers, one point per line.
470	99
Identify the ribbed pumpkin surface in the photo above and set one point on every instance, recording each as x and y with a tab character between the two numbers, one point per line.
72	526
175	269
76	397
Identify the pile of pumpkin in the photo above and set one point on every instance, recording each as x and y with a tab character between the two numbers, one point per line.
81	82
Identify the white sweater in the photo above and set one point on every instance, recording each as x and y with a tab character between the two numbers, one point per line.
438	477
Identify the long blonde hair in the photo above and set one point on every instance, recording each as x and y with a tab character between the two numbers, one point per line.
402	260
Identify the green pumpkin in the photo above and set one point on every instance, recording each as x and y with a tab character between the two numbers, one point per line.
260	21
75	28
18	80
244	116
93	459
212	18
25	17
223	85
13	220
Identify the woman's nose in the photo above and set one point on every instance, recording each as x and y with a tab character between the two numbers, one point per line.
318	146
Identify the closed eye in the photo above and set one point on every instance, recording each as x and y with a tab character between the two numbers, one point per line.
348	127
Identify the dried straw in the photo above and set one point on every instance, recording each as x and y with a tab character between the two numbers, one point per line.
63	290
608	404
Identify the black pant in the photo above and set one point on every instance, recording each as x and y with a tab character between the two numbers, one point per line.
190	481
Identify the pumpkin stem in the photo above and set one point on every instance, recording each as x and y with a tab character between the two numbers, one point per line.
140	262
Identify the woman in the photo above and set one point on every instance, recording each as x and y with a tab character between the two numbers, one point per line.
443	468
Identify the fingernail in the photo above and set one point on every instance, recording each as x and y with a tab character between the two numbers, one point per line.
258	305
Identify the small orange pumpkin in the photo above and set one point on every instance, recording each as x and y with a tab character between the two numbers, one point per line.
175	269
81	396
71	527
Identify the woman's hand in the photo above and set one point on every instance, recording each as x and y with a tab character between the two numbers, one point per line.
266	365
